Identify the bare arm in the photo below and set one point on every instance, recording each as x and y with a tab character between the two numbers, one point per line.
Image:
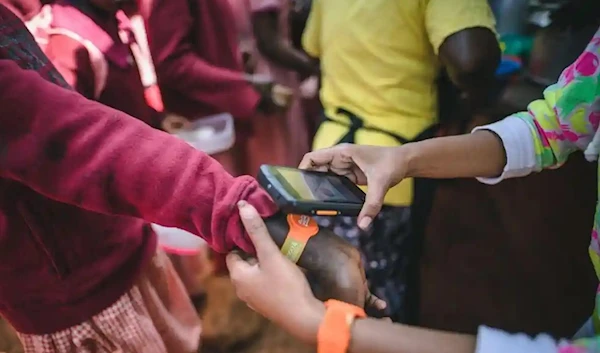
381	336
471	57
461	32
273	285
277	49
480	154
548	122
378	336
334	265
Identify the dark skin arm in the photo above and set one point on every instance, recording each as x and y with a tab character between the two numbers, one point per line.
333	265
275	48
471	57
380	336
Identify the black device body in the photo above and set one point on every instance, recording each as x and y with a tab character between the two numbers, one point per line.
310	192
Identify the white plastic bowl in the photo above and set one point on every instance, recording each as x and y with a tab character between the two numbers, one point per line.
178	241
212	134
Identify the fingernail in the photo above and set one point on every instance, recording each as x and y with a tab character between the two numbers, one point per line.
245	212
365	223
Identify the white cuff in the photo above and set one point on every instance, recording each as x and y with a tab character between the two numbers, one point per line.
491	340
518	146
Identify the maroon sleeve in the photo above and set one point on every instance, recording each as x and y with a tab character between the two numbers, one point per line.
80	152
72	60
181	69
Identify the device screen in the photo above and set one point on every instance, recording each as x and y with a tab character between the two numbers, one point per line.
309	186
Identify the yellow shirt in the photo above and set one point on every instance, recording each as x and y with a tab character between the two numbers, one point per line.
379	61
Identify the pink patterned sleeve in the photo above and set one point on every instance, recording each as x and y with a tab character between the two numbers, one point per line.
265	5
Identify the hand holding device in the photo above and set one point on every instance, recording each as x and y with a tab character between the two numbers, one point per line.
379	167
311	192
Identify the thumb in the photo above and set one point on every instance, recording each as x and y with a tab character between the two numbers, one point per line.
373	203
238	268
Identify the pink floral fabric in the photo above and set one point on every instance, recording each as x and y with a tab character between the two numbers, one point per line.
564	121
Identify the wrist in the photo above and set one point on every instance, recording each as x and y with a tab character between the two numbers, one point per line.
313	315
278	227
406	159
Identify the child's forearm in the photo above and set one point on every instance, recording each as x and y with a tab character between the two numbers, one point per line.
289	57
480	154
296	60
331	262
275	48
379	336
382	336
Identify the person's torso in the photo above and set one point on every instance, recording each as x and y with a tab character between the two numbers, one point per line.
59	261
377	63
56	255
213	37
245	9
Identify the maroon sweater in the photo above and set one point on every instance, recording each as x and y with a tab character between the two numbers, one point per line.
194	47
123	88
76	178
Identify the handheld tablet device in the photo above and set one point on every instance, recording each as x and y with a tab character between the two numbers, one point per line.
311	193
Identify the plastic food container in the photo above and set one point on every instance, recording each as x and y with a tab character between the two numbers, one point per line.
214	135
178	241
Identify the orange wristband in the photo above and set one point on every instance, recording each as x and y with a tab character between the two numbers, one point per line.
334	333
302	228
